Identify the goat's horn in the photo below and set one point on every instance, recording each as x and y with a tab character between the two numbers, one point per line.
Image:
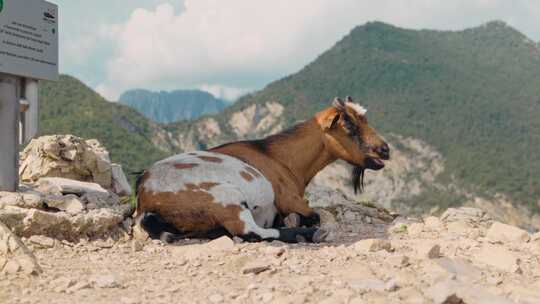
338	102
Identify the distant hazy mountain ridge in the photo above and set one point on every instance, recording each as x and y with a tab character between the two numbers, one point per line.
167	107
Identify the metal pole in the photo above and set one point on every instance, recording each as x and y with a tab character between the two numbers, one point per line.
31	116
9	132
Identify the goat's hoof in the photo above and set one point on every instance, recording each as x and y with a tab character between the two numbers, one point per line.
320	236
292	220
301	239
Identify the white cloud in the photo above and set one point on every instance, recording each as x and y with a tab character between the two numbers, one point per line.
246	43
224	92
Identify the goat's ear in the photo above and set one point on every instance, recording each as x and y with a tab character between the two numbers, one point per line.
338	103
331	121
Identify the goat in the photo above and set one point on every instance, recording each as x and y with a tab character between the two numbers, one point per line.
243	188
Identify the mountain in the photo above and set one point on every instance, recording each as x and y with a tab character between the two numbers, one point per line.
167	107
70	107
460	108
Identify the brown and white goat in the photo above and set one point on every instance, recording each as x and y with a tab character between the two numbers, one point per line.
243	188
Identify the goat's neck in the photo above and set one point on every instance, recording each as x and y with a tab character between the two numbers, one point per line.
303	153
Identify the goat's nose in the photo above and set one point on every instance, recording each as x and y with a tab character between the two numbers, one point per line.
384	151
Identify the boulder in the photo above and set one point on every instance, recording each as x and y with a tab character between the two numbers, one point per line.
14	255
68	186
498	257
61	225
499	232
471	216
71	157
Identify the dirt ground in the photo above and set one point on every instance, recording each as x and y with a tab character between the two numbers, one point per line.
430	262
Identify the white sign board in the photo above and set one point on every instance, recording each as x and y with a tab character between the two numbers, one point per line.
29	38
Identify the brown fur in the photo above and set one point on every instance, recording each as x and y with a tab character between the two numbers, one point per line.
185	166
252	171
211	159
246	176
192	210
207	185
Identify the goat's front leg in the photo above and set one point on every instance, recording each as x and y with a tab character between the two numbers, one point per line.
297	212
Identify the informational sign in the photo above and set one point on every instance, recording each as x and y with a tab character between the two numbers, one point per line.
29	38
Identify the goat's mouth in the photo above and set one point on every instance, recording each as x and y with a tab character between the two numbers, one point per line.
374	163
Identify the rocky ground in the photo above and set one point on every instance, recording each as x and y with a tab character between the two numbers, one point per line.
461	257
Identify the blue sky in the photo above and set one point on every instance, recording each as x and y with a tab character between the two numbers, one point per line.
230	47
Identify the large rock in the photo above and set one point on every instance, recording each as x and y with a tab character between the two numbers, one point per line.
472	216
61	225
14	255
499	232
71	157
68	186
498	257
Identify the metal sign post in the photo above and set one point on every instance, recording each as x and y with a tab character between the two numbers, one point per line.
9	132
28	51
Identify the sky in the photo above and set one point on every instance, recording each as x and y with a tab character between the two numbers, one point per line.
232	47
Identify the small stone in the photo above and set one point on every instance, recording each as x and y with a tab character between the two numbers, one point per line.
216	298
137	245
274	251
428	251
372	245
369	285
432	222
255	267
42	241
62	284
443	293
106	281
266	297
415	229
12	267
79	286
535	237
126	300
398	261
120	184
223	243
237	240
495	279
499	232
391	285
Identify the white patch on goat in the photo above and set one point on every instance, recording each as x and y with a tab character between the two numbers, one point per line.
251	226
356	107
230	189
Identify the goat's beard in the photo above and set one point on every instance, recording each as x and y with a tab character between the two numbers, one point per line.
358	179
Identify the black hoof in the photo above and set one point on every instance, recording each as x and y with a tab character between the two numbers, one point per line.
313	219
295	235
